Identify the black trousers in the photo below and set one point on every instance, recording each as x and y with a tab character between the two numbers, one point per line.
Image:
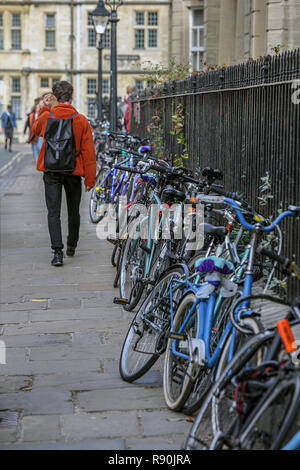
54	182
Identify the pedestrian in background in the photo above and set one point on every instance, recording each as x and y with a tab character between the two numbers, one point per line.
127	116
8	123
35	141
58	104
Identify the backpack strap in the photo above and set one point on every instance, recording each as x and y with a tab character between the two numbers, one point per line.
73	115
52	115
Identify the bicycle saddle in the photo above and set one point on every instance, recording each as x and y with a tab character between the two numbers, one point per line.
170	194
219	232
212	173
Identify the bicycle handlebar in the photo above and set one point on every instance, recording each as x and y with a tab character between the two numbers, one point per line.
286	262
269	228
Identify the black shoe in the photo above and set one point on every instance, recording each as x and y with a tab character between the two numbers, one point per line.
70	251
58	257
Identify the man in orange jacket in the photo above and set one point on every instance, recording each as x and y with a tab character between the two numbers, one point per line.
60	104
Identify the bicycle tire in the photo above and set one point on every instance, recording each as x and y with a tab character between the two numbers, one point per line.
177	378
136	362
205	375
201	434
220	413
271	419
131	287
96	201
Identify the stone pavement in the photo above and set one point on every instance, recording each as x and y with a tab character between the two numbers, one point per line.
60	387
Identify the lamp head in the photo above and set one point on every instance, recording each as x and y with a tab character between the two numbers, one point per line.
100	16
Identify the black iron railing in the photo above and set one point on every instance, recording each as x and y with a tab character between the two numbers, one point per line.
243	119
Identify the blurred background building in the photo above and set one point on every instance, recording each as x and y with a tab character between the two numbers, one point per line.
44	41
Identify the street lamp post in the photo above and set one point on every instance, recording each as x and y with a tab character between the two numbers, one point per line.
113	5
100	16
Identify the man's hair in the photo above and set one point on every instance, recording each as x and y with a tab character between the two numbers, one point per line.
62	91
9	106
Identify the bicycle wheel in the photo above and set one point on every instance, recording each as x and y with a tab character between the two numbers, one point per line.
201	435
100	197
131	273
146	337
222	406
205	375
268	425
178	370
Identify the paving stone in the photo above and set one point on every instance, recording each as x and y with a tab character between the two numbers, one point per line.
52	367
106	424
40	428
13	317
37	339
36	403
70	314
99	444
163	421
132	398
14	383
168	442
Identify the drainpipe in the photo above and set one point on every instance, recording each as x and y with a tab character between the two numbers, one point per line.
78	39
72	37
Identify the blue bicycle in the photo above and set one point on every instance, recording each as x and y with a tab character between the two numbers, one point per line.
202	342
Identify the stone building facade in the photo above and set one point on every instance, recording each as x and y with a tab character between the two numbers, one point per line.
226	32
44	41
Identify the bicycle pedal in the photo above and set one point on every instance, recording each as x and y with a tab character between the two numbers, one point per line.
120	301
112	240
177	336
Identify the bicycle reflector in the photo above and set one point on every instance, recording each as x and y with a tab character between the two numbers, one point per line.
287	336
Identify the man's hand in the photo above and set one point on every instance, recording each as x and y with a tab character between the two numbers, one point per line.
88	188
50	100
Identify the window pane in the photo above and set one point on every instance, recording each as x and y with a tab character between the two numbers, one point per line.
55	80
91	86
152	38
50	20
90	19
16	85
91	107
106	39
1	19
16	39
139	18
150	83
195	37
152	18
105	87
1	39
139	84
44	82
92	38
139	39
16	105
50	38
198	18
16	19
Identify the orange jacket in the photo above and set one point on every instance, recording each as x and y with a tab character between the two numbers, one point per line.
85	149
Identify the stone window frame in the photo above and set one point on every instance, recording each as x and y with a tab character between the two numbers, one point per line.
144	28
50	28
1	31
15	94
16	44
198	49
